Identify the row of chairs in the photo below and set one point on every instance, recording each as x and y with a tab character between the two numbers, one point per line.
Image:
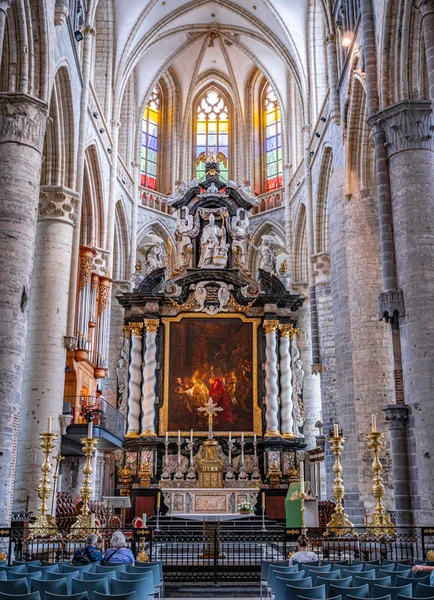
82	582
342	581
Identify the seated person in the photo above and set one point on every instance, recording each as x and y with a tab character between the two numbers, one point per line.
426	568
89	553
303	555
118	553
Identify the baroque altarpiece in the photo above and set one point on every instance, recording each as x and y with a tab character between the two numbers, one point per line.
209	328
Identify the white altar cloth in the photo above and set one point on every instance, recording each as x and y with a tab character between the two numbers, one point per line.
186	502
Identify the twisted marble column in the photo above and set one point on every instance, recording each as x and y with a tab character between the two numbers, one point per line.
271	380
149	379
286	406
135	380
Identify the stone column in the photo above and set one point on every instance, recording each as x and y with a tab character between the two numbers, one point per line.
329	406
286	406
409	131
134	387
4	7
149	379
397	418
271	379
332	70
22	129
426	8
44	373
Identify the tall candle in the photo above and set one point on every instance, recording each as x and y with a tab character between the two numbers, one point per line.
144	520
336	427
242	436
49	425
301	476
89	430
254	438
263	499
191	436
179	435
230	436
374	423
158	499
167	436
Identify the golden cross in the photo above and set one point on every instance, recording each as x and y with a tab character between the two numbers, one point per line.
211	410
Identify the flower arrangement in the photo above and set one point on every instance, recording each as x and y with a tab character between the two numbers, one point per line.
245	507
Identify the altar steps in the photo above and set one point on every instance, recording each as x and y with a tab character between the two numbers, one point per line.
198	591
253	523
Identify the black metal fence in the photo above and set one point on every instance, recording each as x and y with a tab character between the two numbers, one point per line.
215	554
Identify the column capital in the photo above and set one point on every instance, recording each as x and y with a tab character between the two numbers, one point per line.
5	5
90	30
321	267
22	120
151	325
57	203
426	7
407	125
136	329
61	13
330	38
396	415
271	326
287	330
391	306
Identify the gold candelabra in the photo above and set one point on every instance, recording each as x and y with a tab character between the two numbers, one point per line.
380	525
59	459
43	526
84	520
339	525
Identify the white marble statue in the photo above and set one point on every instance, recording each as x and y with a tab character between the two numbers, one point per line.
240	236
154	255
183	233
122	378
181	188
245	191
138	274
267	256
213	246
297	387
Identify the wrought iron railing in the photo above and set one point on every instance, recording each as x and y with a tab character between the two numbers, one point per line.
225	553
102	413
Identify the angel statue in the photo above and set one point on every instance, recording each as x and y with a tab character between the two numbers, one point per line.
268	250
183	234
240	236
137	276
154	254
211	159
297	386
181	188
245	191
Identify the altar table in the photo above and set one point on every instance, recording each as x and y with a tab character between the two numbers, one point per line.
187	502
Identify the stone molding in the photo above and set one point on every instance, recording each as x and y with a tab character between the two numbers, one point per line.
61	13
57	203
22	120
407	125
391	306
396	415
100	262
321	267
300	287
426	7
5	5
120	287
70	342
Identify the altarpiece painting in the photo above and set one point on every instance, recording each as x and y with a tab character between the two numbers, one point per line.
210	357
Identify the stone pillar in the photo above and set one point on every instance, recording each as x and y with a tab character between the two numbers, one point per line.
426	8
271	379
408	127
332	70
397	418
149	379
4	7
134	387
329	406
22	129
286	406
44	373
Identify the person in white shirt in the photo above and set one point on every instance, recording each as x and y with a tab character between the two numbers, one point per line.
303	554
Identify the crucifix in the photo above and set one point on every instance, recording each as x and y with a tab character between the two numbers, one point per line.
211	410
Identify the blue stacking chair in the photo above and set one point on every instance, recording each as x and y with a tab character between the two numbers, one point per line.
269	571
97	576
52	569
424	591
320	569
314	593
154	576
28	576
139	565
46	563
384	581
124	563
401	567
282	582
387	568
354	568
414	598
380	590
17	587
304	598
96	585
127	596
67	576
395	574
362	575
14	568
264	566
361	591
428	563
81	596
341	563
345	582
4	575
17	563
31	596
325	576
114	567
55	586
276	573
413	582
75	567
143	587
157	568
384	598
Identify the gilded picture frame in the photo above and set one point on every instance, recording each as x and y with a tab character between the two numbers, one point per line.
188	318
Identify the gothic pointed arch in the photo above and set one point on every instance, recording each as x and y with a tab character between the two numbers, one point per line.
301	255
322	234
93	214
121	248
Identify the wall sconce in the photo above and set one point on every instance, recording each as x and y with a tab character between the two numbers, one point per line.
323	119
318	134
96	114
311	153
102	130
109	150
78	35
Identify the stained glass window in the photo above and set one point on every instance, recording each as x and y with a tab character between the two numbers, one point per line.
273	141
212	130
150	121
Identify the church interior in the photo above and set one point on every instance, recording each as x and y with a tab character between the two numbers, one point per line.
217	299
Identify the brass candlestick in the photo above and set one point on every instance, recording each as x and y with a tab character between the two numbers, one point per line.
84	520
381	525
339	525
59	459
43	526
142	555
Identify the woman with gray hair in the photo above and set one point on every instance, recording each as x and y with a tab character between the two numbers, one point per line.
89	553
118	553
